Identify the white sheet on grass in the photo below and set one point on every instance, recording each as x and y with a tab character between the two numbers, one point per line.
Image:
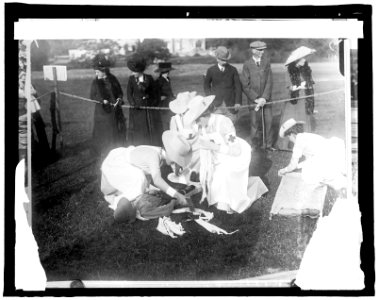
294	195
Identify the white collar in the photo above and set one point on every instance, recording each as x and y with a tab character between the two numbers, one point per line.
221	67
256	59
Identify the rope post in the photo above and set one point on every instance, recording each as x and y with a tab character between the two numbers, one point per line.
57	107
53	121
149	125
263	127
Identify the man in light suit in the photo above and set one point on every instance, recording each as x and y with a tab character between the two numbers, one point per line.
222	80
257	85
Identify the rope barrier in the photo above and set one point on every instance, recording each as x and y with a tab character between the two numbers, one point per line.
231	107
47	93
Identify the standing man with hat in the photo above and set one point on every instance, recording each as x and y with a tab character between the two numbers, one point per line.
164	91
222	80
257	85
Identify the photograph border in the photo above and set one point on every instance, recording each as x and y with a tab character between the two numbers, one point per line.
14	12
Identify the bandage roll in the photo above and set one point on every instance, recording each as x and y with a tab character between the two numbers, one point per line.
171	192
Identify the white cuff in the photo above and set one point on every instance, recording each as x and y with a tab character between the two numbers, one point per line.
171	192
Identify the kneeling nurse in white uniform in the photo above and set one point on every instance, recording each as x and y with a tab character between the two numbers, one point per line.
224	158
324	158
128	172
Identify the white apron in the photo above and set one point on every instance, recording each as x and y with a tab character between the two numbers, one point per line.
120	178
192	138
328	166
228	181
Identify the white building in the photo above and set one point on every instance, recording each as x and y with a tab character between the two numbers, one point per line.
179	47
184	47
76	53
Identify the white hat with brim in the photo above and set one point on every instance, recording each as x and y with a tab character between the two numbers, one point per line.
287	125
196	108
177	148
180	104
299	53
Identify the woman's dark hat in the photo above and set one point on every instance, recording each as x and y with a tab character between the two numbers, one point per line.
136	63
100	62
164	67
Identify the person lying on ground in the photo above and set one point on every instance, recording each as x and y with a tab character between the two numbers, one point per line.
128	172
324	158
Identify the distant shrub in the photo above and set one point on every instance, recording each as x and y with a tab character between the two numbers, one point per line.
152	49
85	62
39	55
196	59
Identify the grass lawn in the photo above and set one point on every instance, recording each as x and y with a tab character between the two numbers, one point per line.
74	227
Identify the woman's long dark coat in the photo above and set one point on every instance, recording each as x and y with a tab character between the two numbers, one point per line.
145	127
164	89
109	128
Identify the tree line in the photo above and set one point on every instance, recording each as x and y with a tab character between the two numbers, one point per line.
151	49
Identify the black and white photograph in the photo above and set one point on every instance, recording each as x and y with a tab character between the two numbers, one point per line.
194	152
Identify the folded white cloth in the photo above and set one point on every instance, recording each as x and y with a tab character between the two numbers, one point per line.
212	228
169	227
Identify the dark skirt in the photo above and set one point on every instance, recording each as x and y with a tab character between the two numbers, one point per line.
145	127
109	130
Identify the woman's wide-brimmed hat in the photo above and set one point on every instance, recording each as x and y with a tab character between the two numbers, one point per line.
177	148
299	53
180	104
222	53
196	108
100	62
287	125
136	63
164	67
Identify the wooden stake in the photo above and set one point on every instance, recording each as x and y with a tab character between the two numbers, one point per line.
57	107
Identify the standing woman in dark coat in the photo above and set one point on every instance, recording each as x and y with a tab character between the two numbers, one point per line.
109	129
164	91
144	124
299	75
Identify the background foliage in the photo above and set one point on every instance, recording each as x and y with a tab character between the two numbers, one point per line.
156	49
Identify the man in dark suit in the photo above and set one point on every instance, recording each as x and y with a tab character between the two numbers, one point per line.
257	85
222	80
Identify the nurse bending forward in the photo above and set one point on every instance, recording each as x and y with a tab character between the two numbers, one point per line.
128	172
